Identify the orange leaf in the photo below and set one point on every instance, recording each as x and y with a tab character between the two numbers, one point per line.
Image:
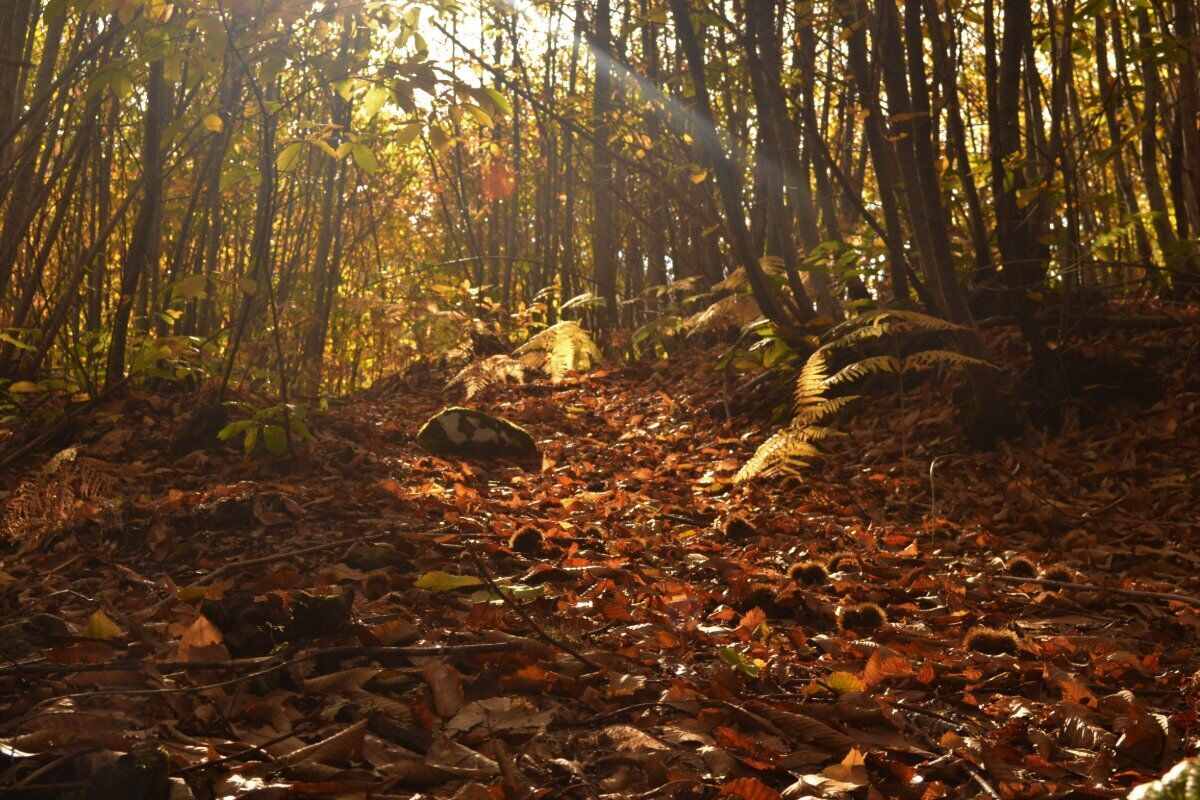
749	789
498	181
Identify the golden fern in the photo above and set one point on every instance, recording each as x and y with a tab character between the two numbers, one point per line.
934	358
890	320
784	451
789	449
479	375
733	311
866	366
810	384
559	349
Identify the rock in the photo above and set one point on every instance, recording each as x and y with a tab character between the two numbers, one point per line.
467	432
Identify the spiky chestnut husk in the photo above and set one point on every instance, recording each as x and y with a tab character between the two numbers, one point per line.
840	561
376	585
527	541
758	595
738	528
809	573
1021	567
592	532
992	641
861	618
1061	573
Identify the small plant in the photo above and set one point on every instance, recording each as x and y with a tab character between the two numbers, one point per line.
479	375
791	448
559	349
265	431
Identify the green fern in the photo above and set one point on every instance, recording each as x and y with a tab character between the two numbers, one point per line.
479	375
559	349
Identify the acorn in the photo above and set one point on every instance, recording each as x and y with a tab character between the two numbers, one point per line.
810	573
1021	567
992	641
527	541
861	618
737	528
1061	573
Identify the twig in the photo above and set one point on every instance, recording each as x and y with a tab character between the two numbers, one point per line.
1169	596
977	776
239	756
530	621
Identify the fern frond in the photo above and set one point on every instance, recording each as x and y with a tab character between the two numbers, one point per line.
559	349
861	334
784	451
479	375
733	311
885	320
917	320
933	358
810	383
866	366
823	410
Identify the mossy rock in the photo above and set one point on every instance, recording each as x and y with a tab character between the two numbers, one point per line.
467	432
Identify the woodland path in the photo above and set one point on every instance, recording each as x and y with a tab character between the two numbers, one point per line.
696	668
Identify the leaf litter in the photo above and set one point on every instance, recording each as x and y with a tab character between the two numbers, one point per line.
359	625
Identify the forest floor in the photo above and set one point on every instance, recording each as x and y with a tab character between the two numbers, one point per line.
332	628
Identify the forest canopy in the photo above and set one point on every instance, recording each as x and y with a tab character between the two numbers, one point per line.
309	196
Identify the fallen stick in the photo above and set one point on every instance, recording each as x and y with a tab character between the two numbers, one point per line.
1169	596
